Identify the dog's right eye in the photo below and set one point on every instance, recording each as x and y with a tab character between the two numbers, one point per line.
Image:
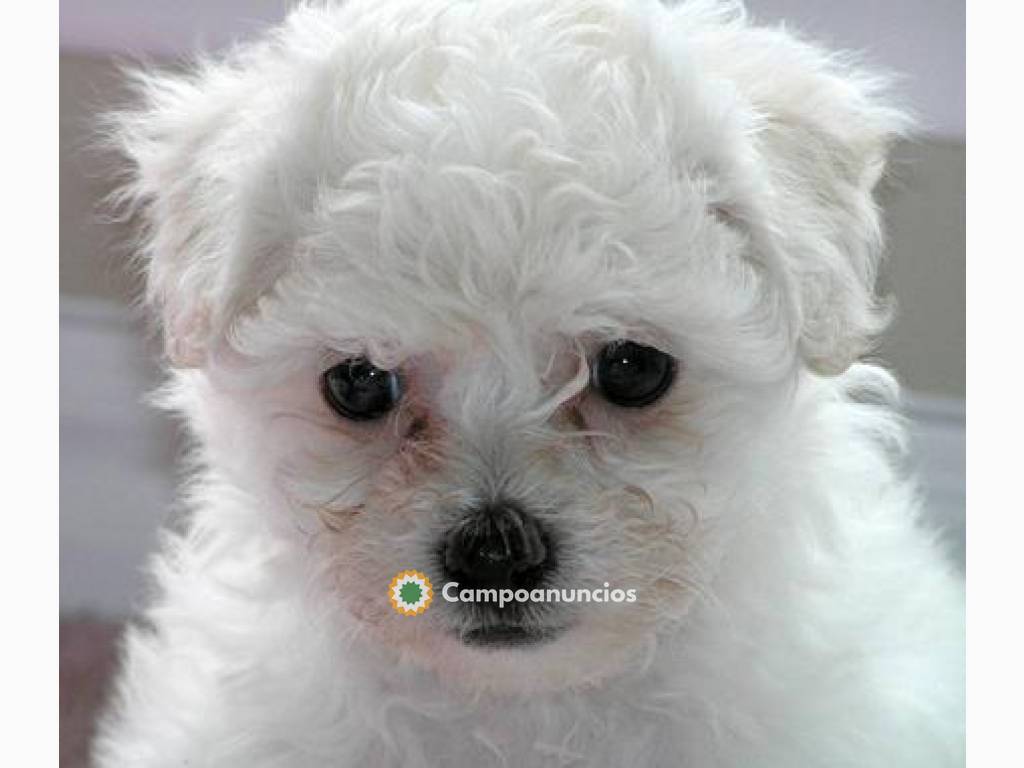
358	390
633	375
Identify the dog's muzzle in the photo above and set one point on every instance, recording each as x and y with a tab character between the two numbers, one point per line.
499	546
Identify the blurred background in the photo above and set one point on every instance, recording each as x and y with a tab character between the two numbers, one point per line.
118	469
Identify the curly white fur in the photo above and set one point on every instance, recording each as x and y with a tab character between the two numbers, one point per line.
481	193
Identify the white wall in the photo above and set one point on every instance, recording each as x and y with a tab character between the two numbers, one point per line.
117	458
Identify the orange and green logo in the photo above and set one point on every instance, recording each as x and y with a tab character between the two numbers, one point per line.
410	593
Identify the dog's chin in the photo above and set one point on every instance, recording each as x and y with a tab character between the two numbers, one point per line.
525	660
509	636
510	654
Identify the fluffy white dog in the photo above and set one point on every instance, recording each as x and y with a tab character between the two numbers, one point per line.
534	295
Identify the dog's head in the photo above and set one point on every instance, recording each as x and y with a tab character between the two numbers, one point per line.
510	293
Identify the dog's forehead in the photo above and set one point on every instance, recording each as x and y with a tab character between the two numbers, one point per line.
436	249
522	170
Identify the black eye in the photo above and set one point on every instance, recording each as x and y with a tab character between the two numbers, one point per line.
633	375
360	391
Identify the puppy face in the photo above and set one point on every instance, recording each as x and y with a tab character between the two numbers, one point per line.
419	411
509	293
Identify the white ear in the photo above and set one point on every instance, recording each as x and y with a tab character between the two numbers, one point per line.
183	174
823	130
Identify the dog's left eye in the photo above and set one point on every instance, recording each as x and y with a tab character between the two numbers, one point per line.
359	390
632	375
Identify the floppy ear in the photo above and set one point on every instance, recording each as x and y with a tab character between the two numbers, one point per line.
185	164
822	131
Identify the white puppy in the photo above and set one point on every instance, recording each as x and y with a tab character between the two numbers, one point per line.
534	295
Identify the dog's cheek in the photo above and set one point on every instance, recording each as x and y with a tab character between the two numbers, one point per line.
629	434
648	476
366	544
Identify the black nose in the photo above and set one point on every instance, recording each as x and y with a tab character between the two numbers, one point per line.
497	546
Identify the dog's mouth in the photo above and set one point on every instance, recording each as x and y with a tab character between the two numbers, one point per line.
508	636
